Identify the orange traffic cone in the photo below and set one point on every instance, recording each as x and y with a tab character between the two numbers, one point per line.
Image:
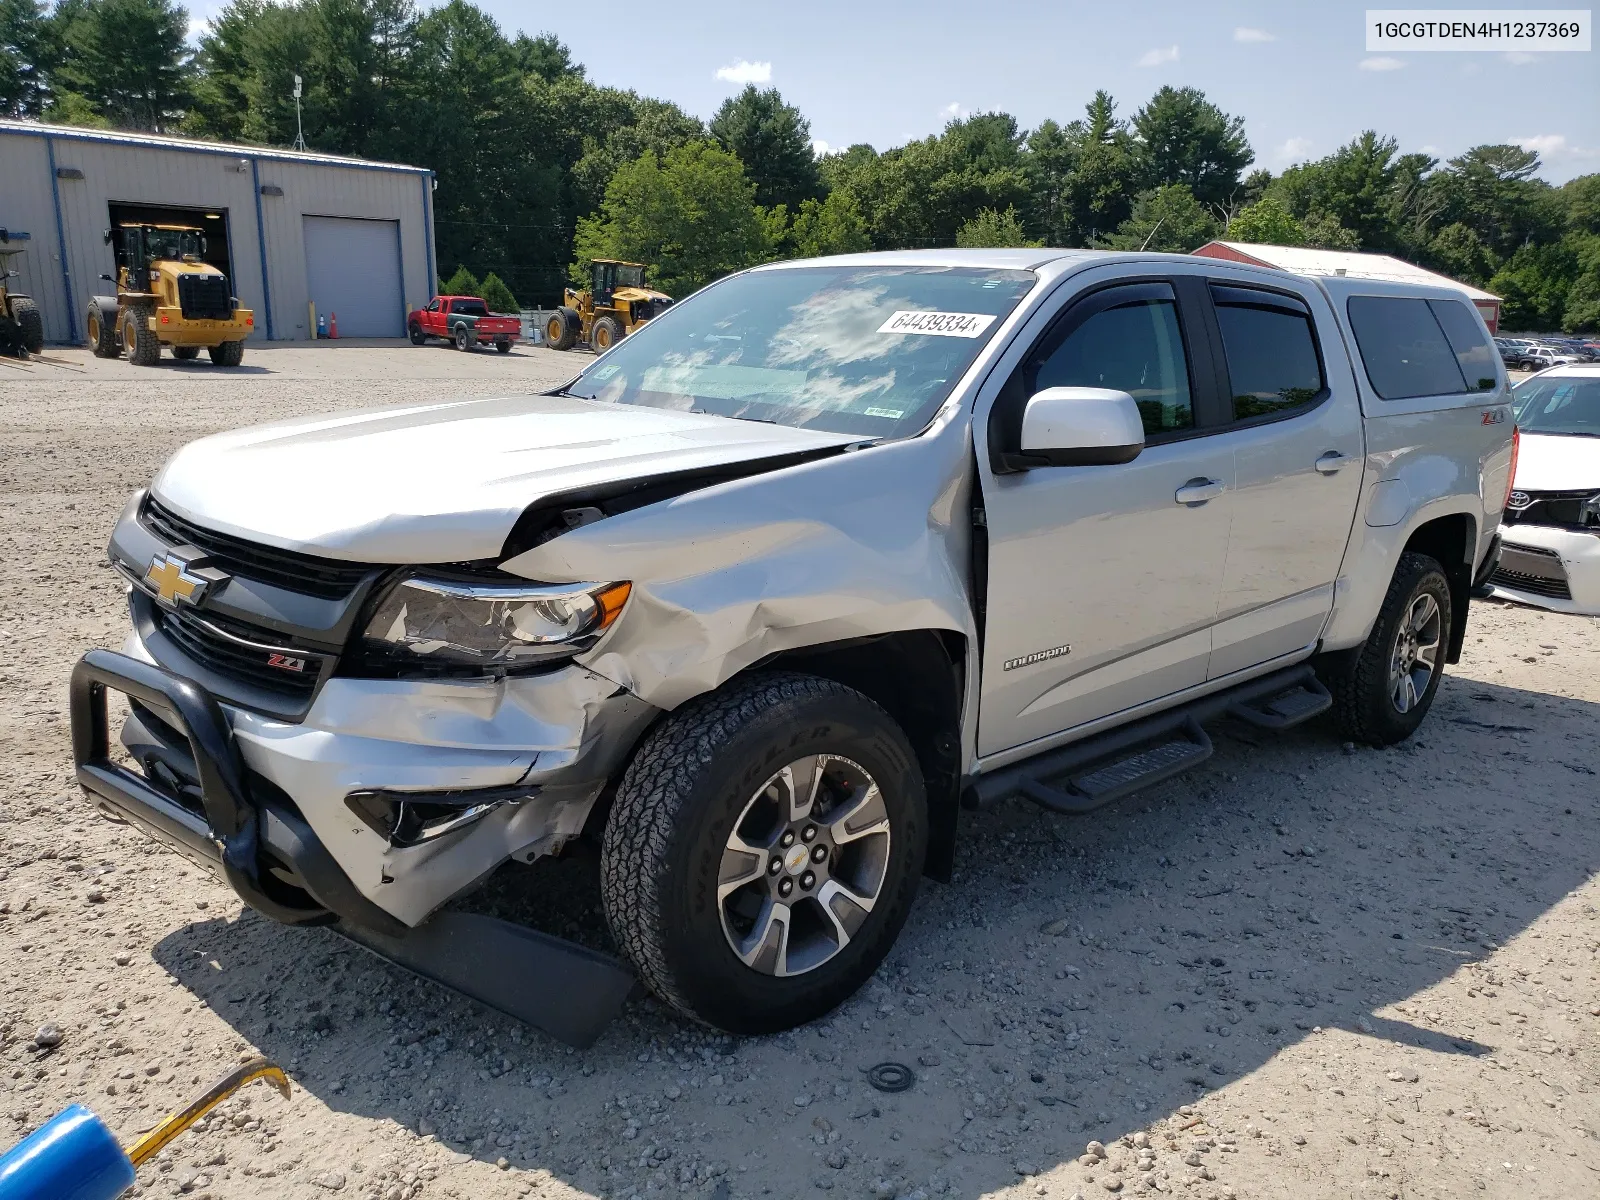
333	325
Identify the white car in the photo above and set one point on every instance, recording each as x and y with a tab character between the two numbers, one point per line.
1551	528
1538	358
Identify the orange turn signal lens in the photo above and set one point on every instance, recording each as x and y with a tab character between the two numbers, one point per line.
611	601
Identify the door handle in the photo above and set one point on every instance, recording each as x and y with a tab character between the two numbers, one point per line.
1330	462
1197	491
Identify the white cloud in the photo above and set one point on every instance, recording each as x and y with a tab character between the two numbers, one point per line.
743	72
1520	58
1161	54
1547	145
820	148
198	27
1294	149
1244	33
1382	64
955	112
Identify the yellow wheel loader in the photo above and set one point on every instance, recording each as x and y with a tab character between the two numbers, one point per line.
21	326
613	306
167	295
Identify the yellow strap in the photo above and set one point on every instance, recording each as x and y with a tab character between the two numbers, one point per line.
152	1143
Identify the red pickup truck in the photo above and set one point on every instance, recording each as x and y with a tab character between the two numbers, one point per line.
464	320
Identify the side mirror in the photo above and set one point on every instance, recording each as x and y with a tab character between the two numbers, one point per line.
1082	427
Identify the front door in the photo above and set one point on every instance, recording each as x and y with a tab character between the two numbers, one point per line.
1103	581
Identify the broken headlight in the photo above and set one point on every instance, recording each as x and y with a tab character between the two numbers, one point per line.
471	623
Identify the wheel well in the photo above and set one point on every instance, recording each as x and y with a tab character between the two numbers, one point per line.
1453	541
918	677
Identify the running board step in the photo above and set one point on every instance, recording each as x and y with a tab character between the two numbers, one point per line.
1290	707
1113	778
1084	775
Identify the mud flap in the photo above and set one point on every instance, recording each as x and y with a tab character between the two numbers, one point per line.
569	991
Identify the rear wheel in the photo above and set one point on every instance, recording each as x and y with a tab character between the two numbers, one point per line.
503	347
29	322
139	341
1382	691
102	331
185	353
561	329
604	334
417	336
764	850
227	354
463	339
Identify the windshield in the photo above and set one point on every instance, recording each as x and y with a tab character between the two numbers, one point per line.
171	244
1568	404
871	350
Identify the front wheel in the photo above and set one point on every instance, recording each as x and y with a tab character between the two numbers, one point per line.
139	341
227	354
764	850
185	353
1382	691
416	335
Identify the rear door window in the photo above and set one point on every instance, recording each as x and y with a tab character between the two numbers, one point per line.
1403	347
1272	359
1474	355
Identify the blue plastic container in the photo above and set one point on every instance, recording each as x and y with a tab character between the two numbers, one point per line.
74	1157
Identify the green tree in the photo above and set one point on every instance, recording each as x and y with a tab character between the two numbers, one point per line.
1458	252
829	226
497	295
1534	285
1491	190
689	213
1581	199
1325	233
1091	171
1267	222
773	141
127	59
1184	138
24	58
991	228
1355	186
462	283
1582	313
1167	219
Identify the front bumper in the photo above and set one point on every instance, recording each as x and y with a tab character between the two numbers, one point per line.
1550	567
199	788
171	327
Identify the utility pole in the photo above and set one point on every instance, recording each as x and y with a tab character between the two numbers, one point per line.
299	130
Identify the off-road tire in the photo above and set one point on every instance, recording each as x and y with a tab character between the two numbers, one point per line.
227	354
674	811
605	333
185	353
139	341
418	338
462	338
502	347
102	334
30	323
1359	678
561	329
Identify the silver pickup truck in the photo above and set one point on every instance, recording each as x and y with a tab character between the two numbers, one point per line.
772	590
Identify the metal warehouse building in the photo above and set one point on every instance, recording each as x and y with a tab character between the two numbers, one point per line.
290	230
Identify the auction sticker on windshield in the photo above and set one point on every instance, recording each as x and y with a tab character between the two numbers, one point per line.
940	324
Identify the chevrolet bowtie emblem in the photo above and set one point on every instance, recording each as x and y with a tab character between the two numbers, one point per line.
172	581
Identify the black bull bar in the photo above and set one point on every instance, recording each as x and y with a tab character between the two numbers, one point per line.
567	990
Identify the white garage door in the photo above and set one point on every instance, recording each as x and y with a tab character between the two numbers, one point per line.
353	269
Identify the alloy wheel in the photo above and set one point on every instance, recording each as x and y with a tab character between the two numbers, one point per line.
1415	656
804	865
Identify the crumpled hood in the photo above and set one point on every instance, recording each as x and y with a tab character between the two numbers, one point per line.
1548	462
442	482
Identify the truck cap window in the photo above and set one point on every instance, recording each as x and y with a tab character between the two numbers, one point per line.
1474	355
1568	404
1403	347
804	346
1271	351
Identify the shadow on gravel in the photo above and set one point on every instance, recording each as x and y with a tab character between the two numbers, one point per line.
1079	978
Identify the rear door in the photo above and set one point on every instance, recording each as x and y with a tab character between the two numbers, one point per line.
1103	581
1297	438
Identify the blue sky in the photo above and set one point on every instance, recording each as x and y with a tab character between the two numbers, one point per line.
884	73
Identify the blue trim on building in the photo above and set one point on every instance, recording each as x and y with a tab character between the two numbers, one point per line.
261	245
400	255
61	241
202	148
427	232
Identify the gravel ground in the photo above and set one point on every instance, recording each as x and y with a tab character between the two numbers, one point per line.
1304	970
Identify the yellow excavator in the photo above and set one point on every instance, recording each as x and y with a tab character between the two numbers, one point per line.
167	295
613	306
